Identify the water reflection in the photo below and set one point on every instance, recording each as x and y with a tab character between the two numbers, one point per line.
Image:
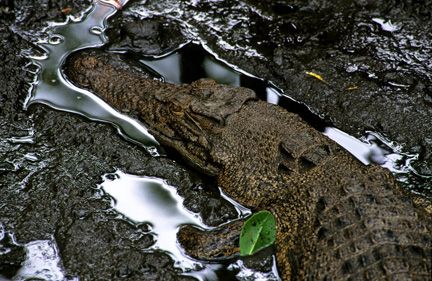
51	88
151	200
192	62
386	25
189	64
42	262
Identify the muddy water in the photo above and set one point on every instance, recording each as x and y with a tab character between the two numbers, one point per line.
42	262
373	55
150	200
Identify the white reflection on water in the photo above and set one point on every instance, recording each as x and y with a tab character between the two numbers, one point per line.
42	262
151	200
51	87
386	25
374	148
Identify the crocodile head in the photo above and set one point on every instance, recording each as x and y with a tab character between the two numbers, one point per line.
192	118
186	118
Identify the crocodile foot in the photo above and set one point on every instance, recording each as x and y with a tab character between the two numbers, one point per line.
219	243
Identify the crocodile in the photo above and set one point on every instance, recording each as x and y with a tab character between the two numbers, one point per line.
337	219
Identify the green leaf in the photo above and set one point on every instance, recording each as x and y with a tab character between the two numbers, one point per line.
258	232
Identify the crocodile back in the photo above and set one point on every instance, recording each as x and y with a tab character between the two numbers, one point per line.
366	228
337	218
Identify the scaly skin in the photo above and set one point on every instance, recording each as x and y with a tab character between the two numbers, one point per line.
336	218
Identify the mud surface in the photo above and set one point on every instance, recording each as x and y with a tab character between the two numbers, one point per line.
51	162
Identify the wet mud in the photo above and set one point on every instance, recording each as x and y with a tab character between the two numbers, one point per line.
51	162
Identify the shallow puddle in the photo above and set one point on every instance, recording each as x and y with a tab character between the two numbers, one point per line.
185	65
42	259
142	200
43	262
152	201
51	88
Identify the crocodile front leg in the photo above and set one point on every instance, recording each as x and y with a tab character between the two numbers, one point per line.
219	243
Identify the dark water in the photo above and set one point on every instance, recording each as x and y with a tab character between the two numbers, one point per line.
374	55
192	62
152	201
